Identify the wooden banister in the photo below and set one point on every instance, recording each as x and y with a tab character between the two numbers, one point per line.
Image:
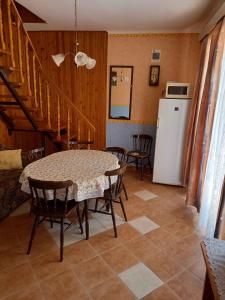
52	104
20	50
10	33
69	102
3	46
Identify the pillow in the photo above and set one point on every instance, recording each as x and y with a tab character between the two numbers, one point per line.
10	159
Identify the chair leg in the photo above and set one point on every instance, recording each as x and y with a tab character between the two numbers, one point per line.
51	221
113	218
136	163
142	169
96	204
123	209
86	219
79	219
32	233
149	162
125	191
61	239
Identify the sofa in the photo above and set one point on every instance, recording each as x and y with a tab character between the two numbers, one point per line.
11	195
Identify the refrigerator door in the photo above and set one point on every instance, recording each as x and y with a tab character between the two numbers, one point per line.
170	138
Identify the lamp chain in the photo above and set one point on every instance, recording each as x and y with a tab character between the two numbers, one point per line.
76	23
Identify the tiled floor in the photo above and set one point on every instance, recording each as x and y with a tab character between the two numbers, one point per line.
156	256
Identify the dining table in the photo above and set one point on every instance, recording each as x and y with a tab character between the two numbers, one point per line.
85	168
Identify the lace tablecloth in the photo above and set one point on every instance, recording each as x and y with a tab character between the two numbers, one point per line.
85	168
216	256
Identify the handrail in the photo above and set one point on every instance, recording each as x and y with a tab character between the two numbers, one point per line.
69	101
62	94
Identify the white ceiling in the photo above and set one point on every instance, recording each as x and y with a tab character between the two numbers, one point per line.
120	15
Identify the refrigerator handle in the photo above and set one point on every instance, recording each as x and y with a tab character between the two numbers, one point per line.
157	123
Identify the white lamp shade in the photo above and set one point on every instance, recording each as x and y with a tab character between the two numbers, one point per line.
58	59
90	63
81	59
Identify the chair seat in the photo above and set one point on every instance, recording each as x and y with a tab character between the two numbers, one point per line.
138	154
51	212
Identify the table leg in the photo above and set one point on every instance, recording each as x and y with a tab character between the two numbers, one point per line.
86	219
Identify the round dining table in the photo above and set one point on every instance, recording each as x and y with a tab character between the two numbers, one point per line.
85	168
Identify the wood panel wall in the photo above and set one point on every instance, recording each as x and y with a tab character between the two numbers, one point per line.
86	88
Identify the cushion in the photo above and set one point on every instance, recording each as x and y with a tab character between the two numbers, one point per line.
10	159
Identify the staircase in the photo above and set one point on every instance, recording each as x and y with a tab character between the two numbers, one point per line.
29	99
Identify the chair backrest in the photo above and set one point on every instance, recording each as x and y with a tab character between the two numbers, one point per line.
44	195
35	154
118	151
142	142
81	145
116	188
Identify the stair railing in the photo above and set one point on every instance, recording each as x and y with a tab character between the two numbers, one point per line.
41	90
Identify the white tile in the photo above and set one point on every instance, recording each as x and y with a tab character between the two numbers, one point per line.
21	210
97	224
146	195
143	224
140	280
106	220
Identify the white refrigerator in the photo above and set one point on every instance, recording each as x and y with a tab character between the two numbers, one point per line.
170	139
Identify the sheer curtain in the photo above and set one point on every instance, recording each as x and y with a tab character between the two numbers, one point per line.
215	168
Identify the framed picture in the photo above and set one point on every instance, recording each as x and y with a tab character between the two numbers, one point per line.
154	75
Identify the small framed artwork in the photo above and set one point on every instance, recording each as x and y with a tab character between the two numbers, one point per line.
154	75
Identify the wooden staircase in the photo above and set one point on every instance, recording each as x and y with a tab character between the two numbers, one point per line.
29	99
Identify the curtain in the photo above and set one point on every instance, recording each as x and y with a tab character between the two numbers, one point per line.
212	198
202	116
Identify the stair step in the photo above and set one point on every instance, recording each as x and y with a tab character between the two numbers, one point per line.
3	51
24	98
15	84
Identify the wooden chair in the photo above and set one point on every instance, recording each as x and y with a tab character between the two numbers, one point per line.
35	154
111	195
53	209
121	153
79	145
142	147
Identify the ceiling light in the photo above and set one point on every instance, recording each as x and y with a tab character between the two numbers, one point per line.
80	58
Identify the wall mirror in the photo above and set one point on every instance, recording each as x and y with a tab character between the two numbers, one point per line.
120	92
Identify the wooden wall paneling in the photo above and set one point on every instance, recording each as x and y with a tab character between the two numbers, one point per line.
86	88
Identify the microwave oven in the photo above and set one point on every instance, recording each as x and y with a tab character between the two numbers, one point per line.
178	90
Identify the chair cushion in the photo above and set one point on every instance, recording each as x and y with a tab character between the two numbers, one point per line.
138	154
10	159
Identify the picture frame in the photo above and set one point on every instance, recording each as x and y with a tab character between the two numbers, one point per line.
154	75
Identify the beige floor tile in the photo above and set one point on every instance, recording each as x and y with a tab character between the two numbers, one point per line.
79	252
93	272
104	241
16	278
119	259
113	289
142	247
162	293
187	286
63	286
48	265
163	266
31	293
198	269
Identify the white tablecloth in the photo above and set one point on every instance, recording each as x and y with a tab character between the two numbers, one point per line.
85	168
